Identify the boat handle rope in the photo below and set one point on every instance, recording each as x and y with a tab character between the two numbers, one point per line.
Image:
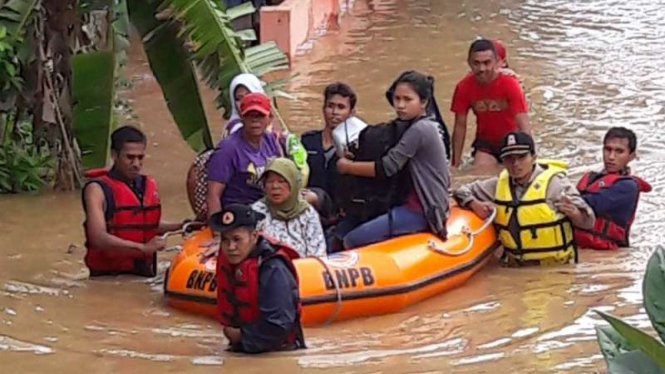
431	244
338	292
184	231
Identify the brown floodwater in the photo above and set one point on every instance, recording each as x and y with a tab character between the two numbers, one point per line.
585	66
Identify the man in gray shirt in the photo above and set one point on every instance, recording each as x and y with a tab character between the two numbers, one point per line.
536	204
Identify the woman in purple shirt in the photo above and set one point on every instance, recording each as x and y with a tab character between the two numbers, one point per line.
239	160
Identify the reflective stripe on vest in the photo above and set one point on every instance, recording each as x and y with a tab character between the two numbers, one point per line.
130	219
529	229
607	233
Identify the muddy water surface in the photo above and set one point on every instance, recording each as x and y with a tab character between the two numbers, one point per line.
585	66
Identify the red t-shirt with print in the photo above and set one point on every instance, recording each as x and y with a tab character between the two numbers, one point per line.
495	105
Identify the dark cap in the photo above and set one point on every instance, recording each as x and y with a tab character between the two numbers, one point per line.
234	216
517	143
255	102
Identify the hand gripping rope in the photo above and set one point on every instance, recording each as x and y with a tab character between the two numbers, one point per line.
431	244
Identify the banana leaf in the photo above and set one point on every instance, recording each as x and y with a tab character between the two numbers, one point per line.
93	94
169	61
635	362
653	289
218	49
638	339
14	14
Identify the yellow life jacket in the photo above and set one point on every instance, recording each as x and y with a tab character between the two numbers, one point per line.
529	229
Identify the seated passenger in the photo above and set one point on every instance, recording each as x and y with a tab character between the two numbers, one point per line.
257	285
123	212
197	176
612	193
241	86
421	153
238	162
339	105
536	206
289	218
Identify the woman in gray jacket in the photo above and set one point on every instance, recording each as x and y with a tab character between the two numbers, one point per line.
422	151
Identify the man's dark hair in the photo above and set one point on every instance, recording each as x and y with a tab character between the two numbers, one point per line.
622	133
481	45
126	134
342	89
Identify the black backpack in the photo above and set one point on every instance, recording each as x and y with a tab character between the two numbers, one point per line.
368	198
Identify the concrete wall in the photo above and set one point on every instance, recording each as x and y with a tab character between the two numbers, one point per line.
290	23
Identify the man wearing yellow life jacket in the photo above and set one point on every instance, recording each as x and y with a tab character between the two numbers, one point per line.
537	206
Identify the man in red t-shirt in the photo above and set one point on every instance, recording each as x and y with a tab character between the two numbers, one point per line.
497	101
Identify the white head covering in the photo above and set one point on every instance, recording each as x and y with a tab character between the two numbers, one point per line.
253	84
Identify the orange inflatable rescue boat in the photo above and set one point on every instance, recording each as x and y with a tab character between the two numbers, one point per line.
376	279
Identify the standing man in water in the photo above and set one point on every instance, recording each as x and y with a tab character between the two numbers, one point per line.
123	212
497	101
536	206
613	193
257	285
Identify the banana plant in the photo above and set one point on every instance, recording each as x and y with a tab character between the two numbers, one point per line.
219	50
628	350
170	64
94	79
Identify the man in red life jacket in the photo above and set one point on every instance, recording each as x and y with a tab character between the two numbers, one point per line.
123	212
497	101
613	193
257	285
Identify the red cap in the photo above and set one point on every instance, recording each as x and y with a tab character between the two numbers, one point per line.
255	102
500	51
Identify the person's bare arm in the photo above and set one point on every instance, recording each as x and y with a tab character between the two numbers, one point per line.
459	134
522	120
214	198
95	226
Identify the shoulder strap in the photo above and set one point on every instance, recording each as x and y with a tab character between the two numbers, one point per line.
108	197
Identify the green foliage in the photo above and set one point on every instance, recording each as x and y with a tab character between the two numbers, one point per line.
218	49
169	61
654	291
24	167
15	14
627	349
10	80
93	91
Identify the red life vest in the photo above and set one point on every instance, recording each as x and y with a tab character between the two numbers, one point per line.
238	287
129	219
606	233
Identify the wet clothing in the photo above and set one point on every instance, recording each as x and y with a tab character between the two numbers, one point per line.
239	166
132	212
260	297
322	162
495	106
398	221
614	199
557	185
422	152
529	229
480	145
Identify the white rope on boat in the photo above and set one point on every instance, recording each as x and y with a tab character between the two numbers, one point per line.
338	291
431	244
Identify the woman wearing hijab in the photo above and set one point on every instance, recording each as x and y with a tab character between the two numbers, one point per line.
289	218
241	86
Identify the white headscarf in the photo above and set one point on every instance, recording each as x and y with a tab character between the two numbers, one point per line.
253	84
